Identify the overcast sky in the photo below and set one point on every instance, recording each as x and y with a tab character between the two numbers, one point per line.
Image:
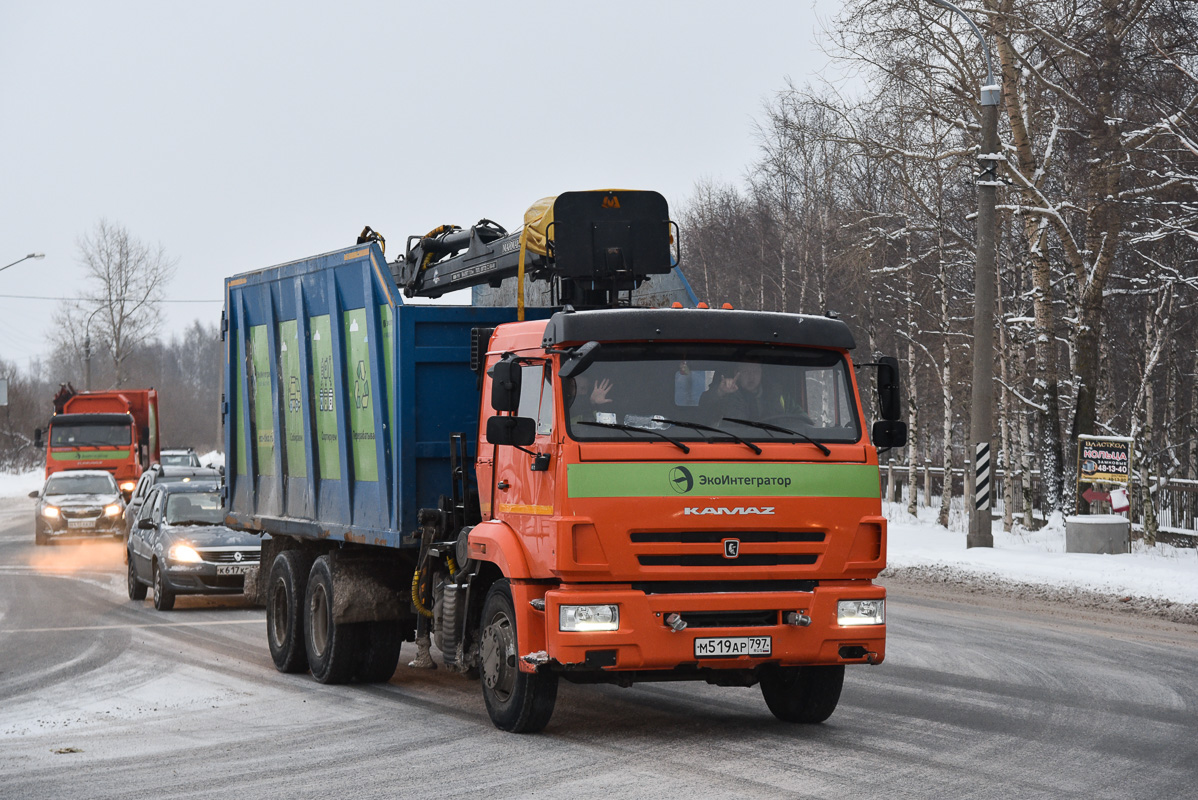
240	135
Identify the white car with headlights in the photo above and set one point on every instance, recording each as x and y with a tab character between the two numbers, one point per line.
179	545
76	505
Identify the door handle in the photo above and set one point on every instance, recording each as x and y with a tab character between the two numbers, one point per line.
502	485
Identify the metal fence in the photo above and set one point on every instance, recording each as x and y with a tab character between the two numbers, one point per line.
1175	501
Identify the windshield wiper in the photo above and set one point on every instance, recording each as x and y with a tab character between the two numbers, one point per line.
629	428
770	427
699	427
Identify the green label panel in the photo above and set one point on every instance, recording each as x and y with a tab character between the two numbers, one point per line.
242	424
90	455
291	387
260	403
361	395
325	393
723	480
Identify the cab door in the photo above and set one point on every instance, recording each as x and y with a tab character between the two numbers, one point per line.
524	480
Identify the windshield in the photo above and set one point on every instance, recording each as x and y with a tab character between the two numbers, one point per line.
749	391
62	435
196	507
81	484
179	460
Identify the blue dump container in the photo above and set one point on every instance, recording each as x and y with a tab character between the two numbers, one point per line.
340	400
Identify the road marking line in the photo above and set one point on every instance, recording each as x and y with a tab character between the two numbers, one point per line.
147	625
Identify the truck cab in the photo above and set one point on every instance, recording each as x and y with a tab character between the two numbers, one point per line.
685	491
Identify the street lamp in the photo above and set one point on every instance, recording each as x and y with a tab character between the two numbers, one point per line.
19	260
981	422
87	351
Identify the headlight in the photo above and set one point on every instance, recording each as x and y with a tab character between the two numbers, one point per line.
183	552
112	510
589	618
128	486
50	512
860	612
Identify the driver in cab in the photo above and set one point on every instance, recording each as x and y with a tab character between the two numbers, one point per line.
743	395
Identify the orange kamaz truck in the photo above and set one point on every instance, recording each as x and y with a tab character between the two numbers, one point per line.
591	492
114	430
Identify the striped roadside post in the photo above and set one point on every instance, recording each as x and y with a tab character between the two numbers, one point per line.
981	478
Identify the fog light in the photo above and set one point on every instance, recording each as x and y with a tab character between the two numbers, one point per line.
860	612
589	618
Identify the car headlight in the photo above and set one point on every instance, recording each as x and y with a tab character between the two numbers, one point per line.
860	612
50	512
128	486
589	618
112	510
183	552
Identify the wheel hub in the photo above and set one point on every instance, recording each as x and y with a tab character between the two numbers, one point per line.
499	657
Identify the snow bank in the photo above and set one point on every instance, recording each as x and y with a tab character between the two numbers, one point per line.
1038	557
21	484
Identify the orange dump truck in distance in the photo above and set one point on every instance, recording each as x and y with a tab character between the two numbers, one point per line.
114	430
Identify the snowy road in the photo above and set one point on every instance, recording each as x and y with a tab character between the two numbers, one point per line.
103	697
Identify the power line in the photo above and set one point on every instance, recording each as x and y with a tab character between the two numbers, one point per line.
90	299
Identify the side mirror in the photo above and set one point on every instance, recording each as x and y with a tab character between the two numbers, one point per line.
505	385
516	431
37	438
889	433
35	494
579	360
888	388
146	524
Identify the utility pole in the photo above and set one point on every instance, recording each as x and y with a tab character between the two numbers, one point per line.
985	279
87	351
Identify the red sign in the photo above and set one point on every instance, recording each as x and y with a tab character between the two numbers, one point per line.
1092	496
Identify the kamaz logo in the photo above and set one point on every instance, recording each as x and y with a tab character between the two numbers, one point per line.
611	202
722	511
731	548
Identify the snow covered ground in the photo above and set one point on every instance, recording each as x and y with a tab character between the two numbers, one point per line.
1037	558
917	545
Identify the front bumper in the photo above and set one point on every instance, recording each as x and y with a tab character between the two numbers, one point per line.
644	641
204	578
101	527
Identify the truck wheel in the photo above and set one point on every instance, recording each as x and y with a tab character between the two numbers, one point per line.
164	598
285	592
137	589
334	649
520	702
802	694
379	652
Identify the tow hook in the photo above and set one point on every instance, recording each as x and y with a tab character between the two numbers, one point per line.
871	658
796	618
675	622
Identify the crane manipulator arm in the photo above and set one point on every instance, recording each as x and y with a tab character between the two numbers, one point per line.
593	247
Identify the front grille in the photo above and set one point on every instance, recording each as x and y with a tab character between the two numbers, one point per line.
715	537
722	587
248	556
81	513
729	619
745	560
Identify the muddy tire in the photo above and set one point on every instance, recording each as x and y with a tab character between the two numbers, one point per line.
285	590
164	598
802	694
137	589
378	652
519	702
334	649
